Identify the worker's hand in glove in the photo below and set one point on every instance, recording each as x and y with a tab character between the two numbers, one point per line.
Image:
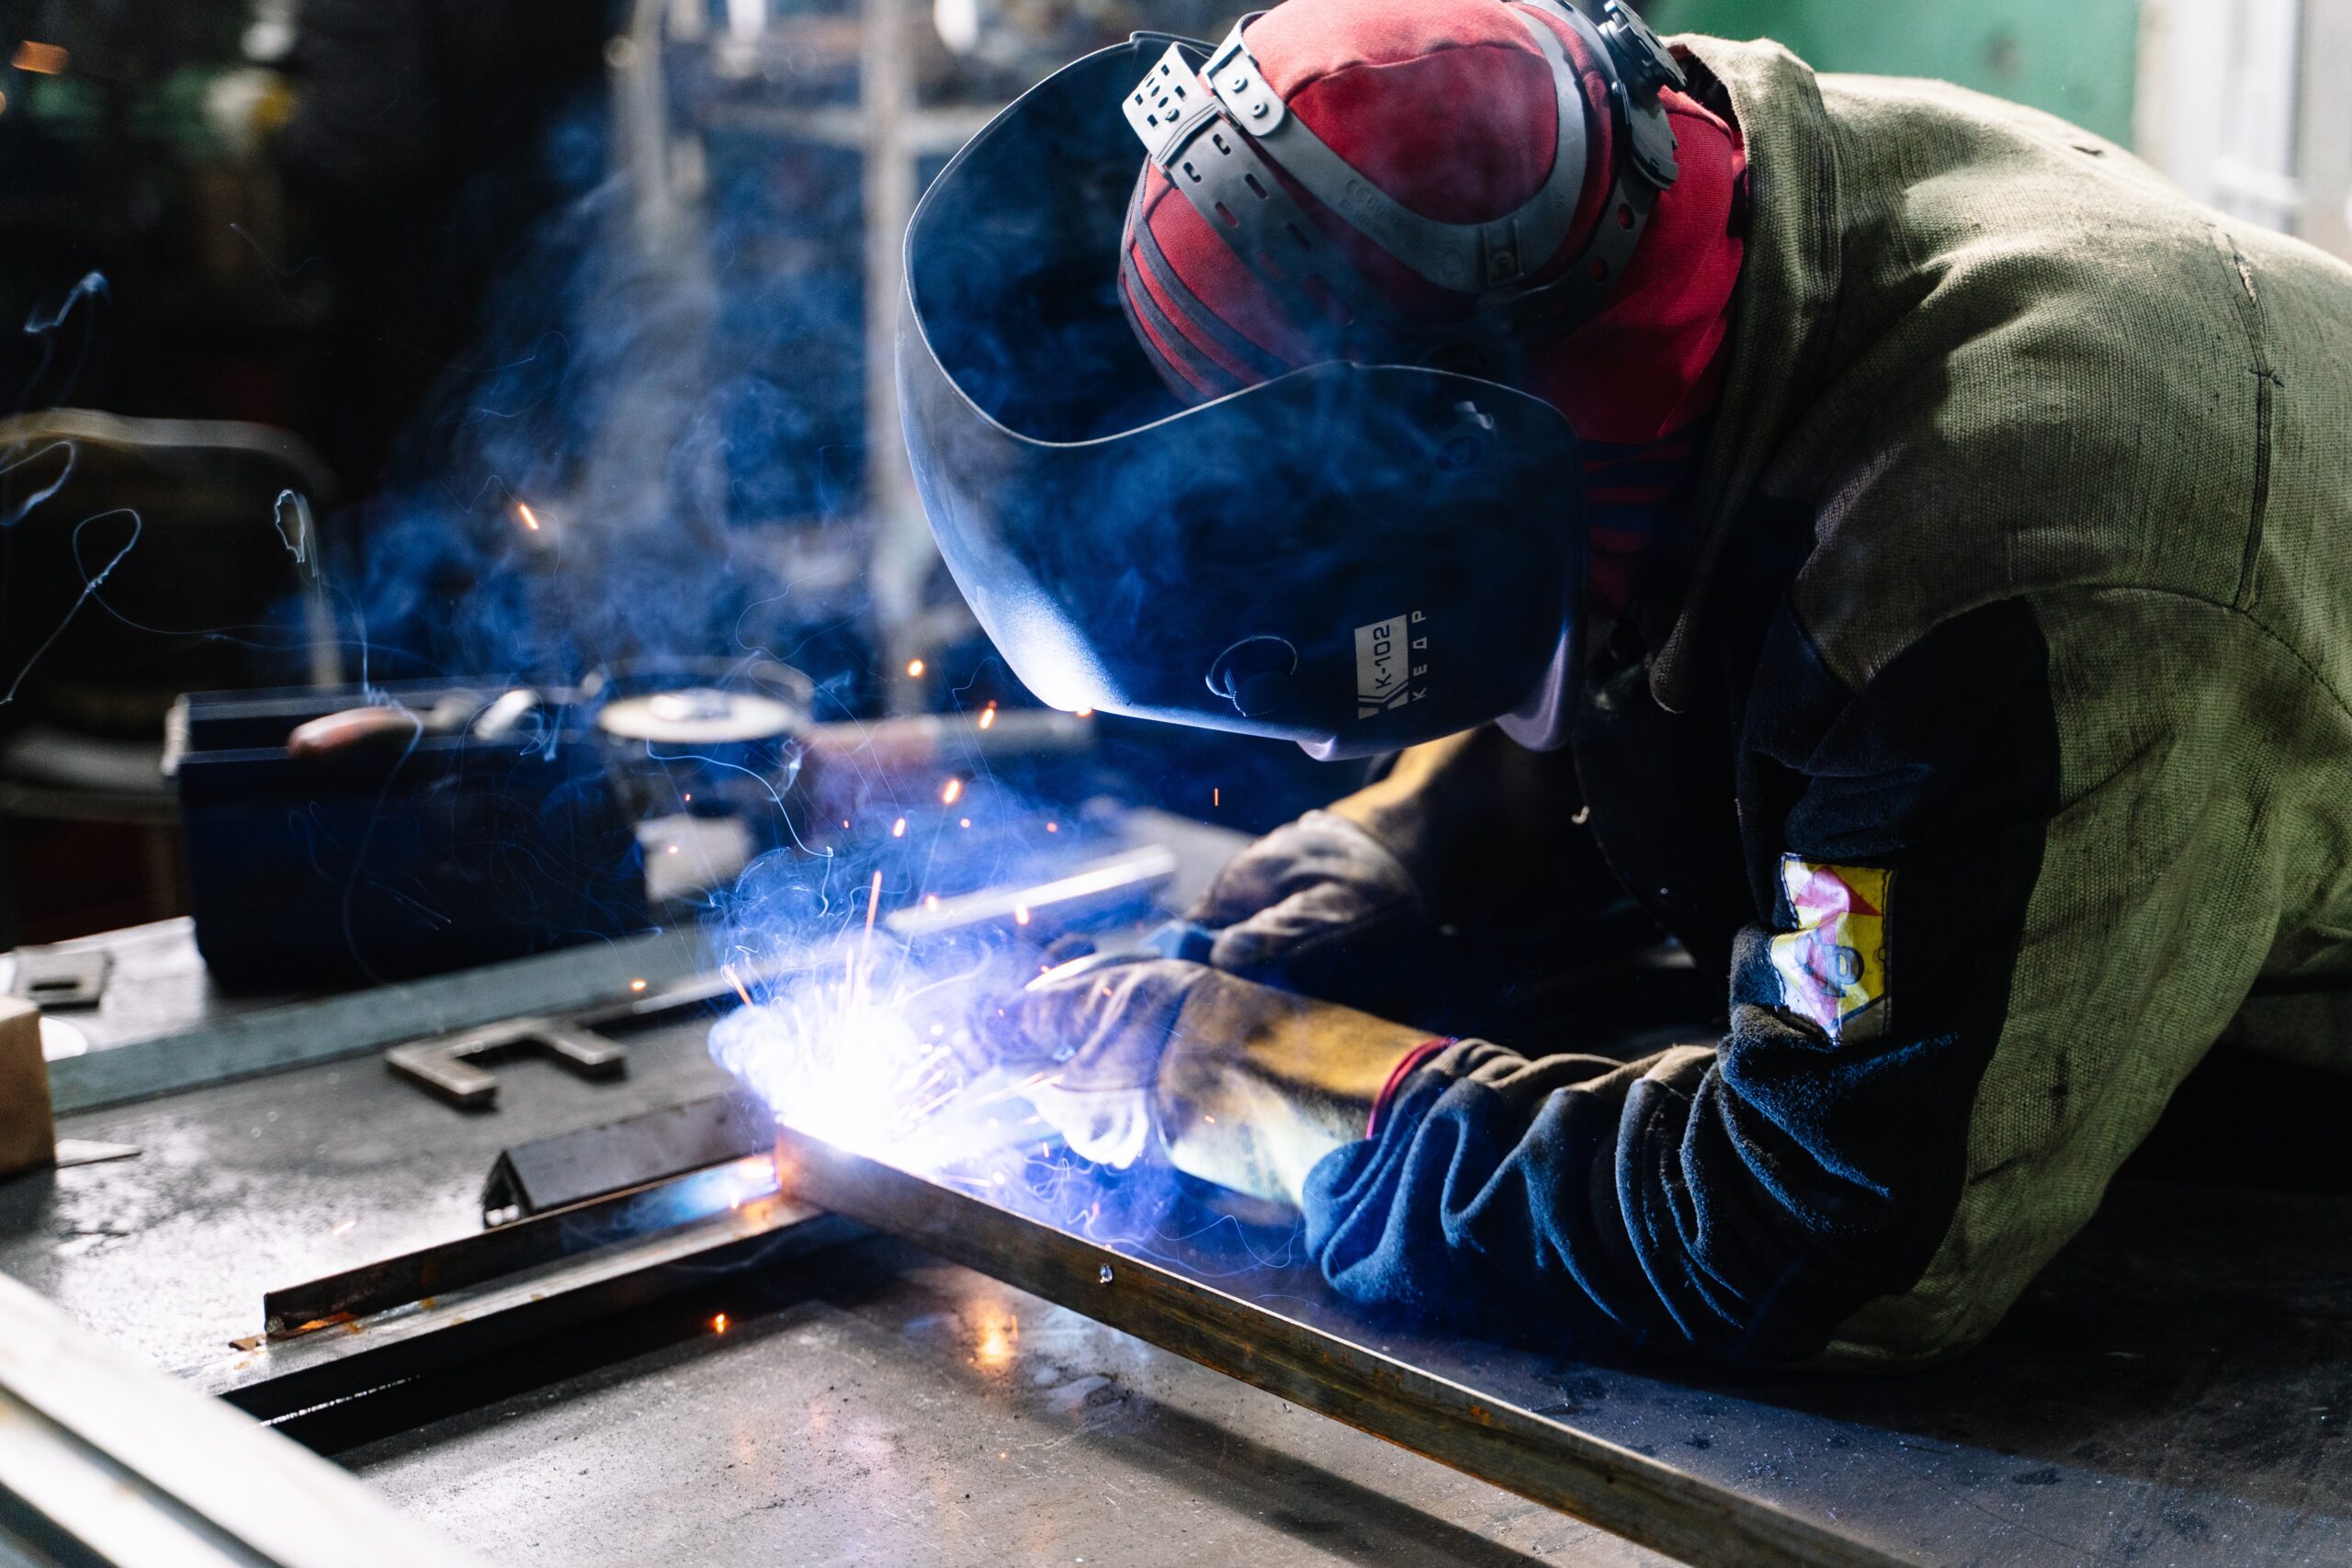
1315	905
1232	1082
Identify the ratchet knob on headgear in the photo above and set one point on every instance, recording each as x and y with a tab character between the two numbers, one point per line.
1253	673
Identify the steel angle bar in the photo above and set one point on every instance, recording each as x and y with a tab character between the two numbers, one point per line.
432	1272
1614	1488
420	1335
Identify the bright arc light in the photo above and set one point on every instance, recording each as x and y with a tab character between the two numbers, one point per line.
848	1071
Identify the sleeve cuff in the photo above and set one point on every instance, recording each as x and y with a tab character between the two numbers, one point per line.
1407	1066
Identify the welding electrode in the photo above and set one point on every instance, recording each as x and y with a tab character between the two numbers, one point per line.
1176	939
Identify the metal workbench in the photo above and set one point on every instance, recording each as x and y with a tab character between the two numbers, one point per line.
2172	1392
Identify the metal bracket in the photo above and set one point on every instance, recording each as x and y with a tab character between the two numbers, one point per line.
446	1068
54	978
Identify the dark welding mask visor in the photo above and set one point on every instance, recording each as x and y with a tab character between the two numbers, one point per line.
1355	557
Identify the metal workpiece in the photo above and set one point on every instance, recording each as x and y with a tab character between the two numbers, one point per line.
104	1461
1630	1494
567	1168
451	1068
1125	882
444	1333
433	1275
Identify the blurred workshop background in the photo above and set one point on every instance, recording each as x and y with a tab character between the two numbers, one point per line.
377	343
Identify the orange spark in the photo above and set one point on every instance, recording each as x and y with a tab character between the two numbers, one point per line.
964	822
40	59
988	716
899	829
530	518
930	900
997	1338
1217	795
718	1324
1085	713
637	984
1053	827
1020	914
735	980
914	669
952	793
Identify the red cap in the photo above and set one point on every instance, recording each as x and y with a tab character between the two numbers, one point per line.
1448	105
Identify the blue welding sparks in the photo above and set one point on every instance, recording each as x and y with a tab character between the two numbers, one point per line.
836	1062
837	1051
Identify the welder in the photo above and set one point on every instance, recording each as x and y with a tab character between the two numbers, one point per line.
1903	539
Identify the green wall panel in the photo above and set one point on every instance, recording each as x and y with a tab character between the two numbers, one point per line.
2073	58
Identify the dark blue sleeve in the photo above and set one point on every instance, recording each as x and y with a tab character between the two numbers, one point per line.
1739	1200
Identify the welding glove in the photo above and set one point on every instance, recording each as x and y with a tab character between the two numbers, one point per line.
1307	903
1436	893
1235	1083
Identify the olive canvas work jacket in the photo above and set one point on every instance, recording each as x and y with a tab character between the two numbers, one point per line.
1993	737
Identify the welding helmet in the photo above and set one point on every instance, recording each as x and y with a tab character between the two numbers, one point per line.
1371	551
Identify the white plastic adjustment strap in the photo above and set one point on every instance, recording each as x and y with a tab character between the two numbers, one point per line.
1168	105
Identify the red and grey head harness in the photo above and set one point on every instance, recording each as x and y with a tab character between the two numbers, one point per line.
1341	261
1357	526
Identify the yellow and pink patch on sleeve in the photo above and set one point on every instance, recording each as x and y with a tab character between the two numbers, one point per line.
1832	966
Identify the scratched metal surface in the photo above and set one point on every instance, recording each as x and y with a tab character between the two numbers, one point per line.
2173	1391
2162	1397
247	1186
906	1411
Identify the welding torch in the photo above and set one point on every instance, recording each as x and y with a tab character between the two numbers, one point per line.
1185	939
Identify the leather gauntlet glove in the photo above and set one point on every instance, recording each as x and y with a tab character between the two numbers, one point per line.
1232	1082
1314	907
